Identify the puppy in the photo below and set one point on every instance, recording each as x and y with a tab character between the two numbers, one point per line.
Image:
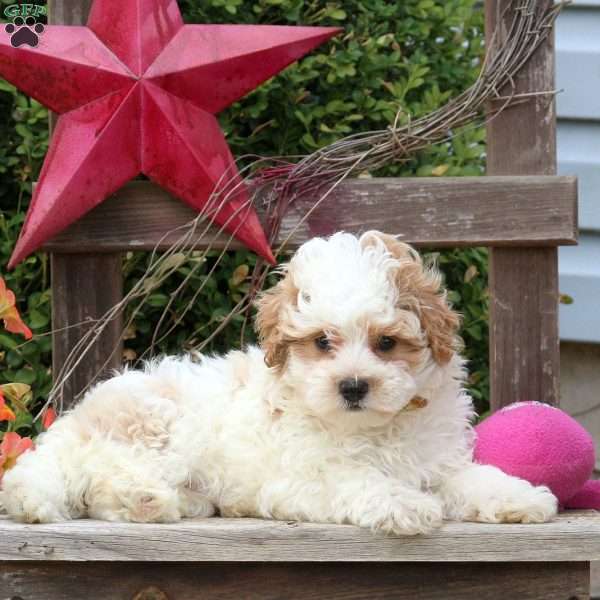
352	411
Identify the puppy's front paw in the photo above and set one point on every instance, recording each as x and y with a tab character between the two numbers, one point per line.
519	504
402	517
30	503
147	504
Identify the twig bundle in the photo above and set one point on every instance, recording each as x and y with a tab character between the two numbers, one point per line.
277	182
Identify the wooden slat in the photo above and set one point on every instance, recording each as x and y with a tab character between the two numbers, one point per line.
118	581
526	310
450	211
572	536
524	342
84	286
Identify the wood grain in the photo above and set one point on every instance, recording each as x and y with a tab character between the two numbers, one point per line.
450	581
523	327
573	536
84	286
524	342
450	211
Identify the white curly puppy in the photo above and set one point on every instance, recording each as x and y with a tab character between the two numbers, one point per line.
352	412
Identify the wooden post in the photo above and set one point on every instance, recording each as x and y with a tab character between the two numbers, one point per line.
84	286
524	343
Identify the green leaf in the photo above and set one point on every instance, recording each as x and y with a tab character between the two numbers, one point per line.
157	300
337	14
7	342
23	131
6	87
37	319
25	376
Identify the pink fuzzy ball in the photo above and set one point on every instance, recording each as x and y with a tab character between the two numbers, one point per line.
588	497
538	443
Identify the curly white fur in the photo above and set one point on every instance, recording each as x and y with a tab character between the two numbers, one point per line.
235	436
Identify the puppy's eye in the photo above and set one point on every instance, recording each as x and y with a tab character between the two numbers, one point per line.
322	343
385	343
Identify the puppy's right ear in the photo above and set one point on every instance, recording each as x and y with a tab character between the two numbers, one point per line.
269	321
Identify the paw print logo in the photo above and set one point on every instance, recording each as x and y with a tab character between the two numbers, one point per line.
24	31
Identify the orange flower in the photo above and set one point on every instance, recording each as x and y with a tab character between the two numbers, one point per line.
6	414
49	417
12	446
9	313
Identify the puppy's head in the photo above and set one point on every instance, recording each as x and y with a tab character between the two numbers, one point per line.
352	325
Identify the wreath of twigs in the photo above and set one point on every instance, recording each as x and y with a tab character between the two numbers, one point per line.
275	183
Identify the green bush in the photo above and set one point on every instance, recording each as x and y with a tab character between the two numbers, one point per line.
410	56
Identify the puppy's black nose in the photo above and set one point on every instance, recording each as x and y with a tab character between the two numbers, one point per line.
353	390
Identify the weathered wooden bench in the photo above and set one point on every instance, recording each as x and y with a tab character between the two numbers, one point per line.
521	211
249	558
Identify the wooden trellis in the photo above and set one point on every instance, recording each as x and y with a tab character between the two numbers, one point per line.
522	211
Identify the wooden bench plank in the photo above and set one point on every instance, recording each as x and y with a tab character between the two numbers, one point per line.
192	581
573	536
448	211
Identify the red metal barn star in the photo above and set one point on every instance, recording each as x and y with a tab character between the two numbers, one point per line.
137	91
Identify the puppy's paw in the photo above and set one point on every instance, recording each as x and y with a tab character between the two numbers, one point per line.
519	504
27	503
414	517
141	501
149	505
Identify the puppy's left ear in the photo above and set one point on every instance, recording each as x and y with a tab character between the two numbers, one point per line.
441	325
423	286
269	321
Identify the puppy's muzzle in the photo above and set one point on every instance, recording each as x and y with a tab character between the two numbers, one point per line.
353	391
